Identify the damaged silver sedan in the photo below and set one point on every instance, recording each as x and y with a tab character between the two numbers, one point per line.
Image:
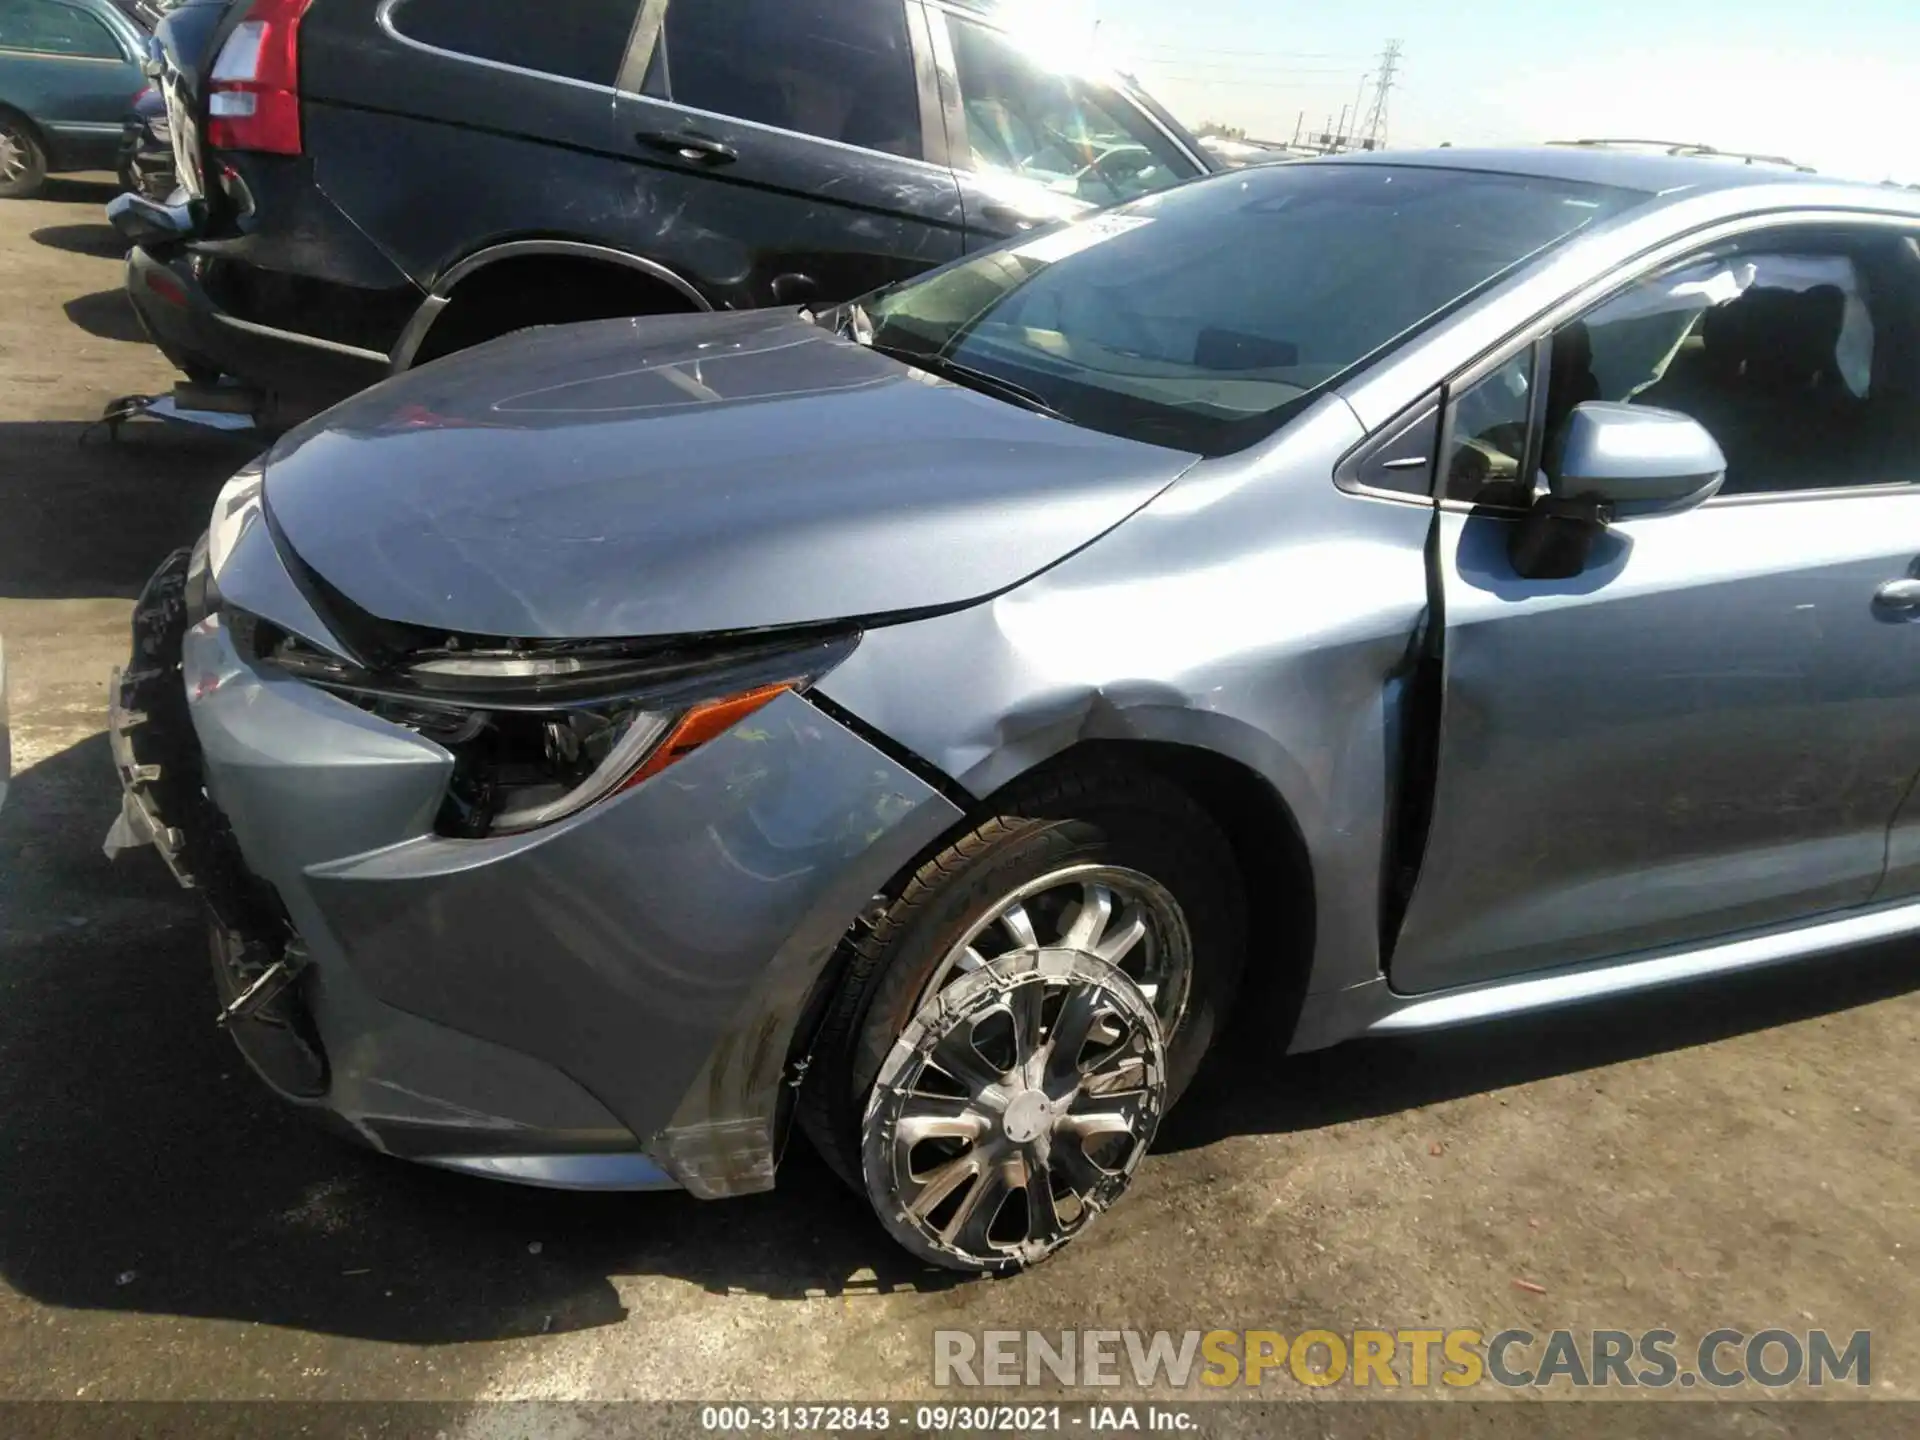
1302	594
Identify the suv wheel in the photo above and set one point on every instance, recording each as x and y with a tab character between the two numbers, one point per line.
1010	1031
23	164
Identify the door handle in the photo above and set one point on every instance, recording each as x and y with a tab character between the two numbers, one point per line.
689	145
1900	596
1007	215
793	288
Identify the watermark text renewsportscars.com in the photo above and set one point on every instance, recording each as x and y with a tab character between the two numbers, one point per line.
1721	1359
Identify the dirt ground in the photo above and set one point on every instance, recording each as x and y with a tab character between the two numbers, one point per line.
1742	1156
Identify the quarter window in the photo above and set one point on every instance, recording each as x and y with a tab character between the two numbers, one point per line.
580	39
1071	135
1800	358
838	69
43	28
1487	437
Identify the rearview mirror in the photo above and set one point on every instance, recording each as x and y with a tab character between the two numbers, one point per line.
1615	462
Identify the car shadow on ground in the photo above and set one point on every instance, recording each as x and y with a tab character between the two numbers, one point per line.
73	190
101	240
85	516
143	1168
106	315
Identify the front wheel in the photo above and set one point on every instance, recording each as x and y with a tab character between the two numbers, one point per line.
1014	1024
23	164
1014	1109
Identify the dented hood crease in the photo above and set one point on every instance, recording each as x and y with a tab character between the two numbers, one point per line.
688	474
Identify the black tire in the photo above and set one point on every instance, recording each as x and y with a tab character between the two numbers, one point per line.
1097	813
18	135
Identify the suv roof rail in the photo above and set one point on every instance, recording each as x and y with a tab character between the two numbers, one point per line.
1681	147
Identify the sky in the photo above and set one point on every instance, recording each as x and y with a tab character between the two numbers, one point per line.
1835	86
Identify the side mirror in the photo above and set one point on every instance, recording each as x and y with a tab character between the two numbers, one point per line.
1636	460
1615	462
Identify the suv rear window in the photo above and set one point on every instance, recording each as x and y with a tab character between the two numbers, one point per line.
580	39
839	69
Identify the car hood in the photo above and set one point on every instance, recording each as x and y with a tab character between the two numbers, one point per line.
687	475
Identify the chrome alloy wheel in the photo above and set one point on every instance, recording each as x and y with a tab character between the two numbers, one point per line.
13	155
1013	1109
1116	915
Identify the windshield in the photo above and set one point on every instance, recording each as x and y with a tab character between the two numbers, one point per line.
1203	317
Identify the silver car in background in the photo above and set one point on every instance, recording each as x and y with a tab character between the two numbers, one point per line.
1352	596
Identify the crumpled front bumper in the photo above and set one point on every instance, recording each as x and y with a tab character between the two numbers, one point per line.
569	1006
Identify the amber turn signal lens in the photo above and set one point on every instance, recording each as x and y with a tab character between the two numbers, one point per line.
701	724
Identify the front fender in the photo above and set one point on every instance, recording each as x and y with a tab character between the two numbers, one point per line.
1253	610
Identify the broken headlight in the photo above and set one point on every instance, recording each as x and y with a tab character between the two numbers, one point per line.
237	507
542	732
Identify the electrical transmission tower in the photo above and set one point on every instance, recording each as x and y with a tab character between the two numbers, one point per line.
1375	129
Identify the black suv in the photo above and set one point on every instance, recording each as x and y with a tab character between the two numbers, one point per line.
369	184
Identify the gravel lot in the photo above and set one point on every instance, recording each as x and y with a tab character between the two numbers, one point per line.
1743	1156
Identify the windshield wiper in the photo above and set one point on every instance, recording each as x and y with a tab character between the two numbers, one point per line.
972	379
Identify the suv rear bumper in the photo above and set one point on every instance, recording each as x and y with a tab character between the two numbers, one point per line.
205	341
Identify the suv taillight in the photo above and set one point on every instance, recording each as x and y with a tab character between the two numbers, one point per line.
253	93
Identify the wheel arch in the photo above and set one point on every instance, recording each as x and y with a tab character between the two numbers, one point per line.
557	254
17	113
1260	826
1268	845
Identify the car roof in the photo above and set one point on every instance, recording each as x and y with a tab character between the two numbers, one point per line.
1655	173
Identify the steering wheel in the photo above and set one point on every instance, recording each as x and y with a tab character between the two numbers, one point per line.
1098	168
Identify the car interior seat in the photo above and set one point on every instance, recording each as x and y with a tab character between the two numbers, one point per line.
1767	386
1570	378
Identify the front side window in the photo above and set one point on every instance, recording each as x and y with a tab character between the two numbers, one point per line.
580	40
1203	316
838	69
41	27
1799	358
1074	136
